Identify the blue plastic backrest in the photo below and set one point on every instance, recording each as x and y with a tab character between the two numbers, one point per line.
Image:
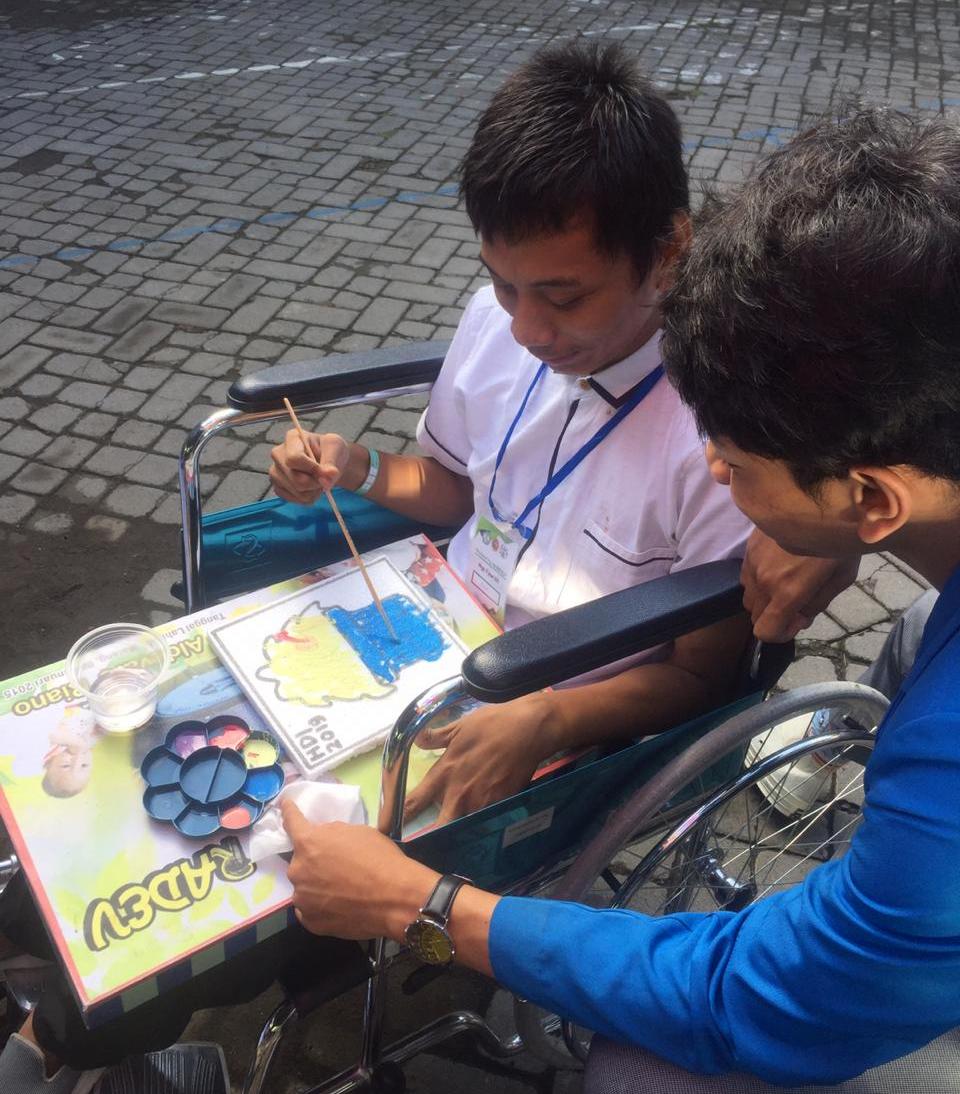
256	545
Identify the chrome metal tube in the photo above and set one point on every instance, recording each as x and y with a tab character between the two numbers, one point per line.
396	750
396	756
191	500
449	1025
434	1033
191	503
270	1036
346	1081
374	1002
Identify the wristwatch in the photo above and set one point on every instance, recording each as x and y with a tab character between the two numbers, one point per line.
427	936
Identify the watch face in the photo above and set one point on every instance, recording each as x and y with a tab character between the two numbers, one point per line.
430	942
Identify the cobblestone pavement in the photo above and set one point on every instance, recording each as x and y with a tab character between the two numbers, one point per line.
194	191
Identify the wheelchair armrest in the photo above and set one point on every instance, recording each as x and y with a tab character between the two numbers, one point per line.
339	376
587	637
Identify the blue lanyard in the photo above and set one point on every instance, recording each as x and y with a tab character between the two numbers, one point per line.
643	389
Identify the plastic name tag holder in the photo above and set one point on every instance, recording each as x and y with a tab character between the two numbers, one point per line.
212	775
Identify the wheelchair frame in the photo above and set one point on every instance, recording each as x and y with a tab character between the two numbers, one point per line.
566	645
311	386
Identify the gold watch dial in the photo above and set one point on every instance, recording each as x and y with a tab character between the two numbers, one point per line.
430	942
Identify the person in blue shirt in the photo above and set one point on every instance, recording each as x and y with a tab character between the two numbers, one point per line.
814	332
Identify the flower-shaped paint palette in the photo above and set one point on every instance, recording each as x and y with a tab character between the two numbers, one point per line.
211	775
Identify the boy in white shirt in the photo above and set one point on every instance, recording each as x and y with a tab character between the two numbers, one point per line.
551	435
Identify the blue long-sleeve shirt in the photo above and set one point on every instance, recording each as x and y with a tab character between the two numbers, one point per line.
857	965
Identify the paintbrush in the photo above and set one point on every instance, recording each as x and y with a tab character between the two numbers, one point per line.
343	527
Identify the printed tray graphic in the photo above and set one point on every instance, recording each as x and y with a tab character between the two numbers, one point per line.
209	776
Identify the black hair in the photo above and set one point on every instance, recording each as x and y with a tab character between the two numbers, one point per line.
816	319
578	129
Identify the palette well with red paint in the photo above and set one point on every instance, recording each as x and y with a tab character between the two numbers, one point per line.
209	776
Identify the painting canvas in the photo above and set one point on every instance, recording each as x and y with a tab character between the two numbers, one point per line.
324	670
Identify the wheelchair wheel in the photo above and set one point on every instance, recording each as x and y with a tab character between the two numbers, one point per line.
743	844
763	831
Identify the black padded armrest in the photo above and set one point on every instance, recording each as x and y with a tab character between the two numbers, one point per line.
578	640
339	376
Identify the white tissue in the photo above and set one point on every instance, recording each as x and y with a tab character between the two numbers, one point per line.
319	802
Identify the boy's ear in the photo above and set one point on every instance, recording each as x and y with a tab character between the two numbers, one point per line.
673	248
883	499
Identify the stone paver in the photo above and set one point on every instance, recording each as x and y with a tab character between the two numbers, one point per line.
132	501
162	237
110	529
15	507
51	523
854	609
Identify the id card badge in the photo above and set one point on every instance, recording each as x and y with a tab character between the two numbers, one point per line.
494	550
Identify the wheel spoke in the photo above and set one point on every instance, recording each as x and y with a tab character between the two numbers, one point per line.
743	847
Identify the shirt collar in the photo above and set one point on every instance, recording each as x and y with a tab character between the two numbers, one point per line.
616	383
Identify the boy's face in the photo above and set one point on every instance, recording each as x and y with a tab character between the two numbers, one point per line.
573	308
69	770
768	494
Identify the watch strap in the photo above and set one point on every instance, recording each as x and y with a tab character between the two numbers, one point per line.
440	901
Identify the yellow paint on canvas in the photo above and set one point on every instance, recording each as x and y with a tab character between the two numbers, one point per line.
309	662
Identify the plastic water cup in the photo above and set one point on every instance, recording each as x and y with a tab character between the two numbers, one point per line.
118	668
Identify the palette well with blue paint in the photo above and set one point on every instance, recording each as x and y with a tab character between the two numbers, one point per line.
209	776
323	670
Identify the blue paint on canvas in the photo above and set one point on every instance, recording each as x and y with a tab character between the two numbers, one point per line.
419	639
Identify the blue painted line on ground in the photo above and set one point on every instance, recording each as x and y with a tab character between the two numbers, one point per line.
278	218
320	213
370	203
229	224
776	135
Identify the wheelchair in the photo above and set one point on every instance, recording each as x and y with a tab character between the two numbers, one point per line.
680	821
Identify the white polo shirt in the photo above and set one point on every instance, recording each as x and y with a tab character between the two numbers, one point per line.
640	505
